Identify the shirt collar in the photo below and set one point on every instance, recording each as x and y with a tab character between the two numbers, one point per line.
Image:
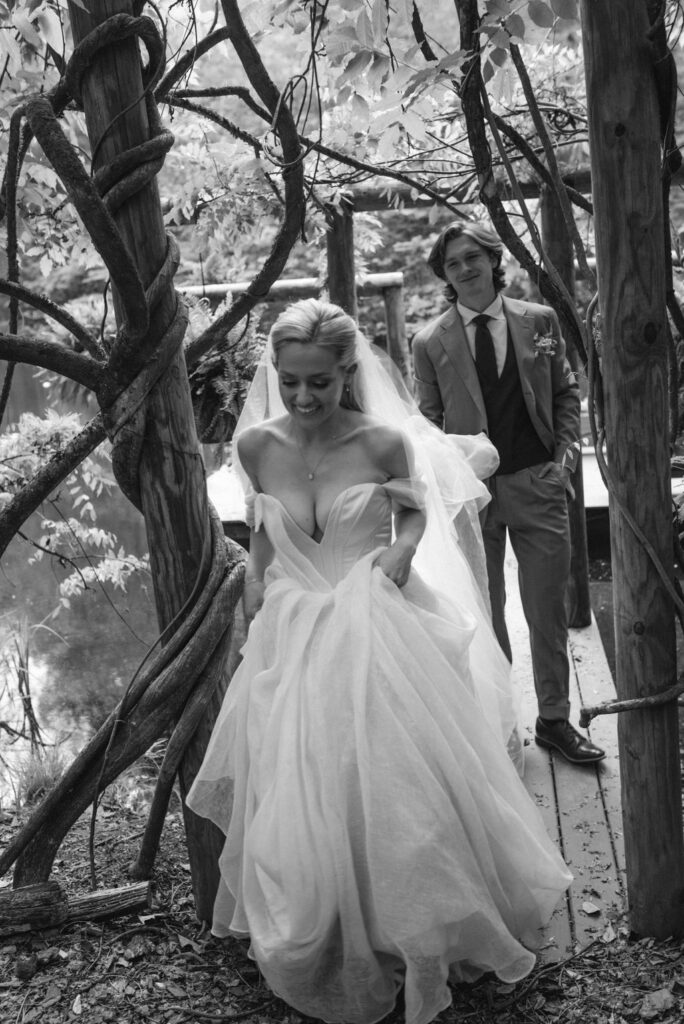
495	311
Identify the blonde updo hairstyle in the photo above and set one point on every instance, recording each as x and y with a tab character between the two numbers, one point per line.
315	322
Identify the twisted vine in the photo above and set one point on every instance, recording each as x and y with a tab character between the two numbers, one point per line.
165	693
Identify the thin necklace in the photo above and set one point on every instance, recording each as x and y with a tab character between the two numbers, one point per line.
311	473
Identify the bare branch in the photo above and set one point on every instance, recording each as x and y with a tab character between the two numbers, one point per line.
52	355
186	62
218	119
55	312
542	132
536	164
228	90
420	36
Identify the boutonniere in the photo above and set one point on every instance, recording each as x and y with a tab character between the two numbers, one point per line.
544	344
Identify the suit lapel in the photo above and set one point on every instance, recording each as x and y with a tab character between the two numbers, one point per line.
521	331
455	346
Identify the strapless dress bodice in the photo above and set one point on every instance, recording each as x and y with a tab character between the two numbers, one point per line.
359	523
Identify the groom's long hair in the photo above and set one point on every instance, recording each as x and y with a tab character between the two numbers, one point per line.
480	234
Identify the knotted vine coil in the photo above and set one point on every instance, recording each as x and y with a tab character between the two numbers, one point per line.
178	680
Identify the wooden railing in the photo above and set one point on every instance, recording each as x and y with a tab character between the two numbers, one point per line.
390	285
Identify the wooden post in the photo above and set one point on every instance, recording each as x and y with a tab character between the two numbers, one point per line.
397	346
340	249
172	479
558	245
624	124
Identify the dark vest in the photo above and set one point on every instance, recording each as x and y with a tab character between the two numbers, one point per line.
509	425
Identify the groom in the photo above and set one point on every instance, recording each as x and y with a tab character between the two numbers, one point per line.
498	364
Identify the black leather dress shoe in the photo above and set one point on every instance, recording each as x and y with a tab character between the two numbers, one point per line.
561	736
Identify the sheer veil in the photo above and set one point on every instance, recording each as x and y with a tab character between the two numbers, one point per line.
450	469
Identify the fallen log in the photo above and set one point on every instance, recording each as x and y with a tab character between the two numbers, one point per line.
46	905
32	907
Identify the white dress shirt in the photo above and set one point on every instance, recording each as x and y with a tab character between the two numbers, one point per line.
498	328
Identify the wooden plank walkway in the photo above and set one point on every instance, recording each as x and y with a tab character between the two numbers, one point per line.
580	806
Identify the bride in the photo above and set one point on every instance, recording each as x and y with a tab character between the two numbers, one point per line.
378	835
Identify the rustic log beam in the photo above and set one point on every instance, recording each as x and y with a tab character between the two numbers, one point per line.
397	345
370	198
340	248
293	287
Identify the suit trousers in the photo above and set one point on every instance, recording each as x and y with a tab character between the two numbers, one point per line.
533	510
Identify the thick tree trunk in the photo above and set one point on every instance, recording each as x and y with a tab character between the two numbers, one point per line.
171	474
558	245
625	164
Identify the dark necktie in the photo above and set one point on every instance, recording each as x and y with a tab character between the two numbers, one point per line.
485	359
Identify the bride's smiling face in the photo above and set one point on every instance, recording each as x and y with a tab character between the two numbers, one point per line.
311	382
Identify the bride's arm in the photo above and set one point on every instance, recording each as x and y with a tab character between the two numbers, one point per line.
409	522
395	561
260	548
260	557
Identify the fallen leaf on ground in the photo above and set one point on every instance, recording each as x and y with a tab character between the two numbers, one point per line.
655	1003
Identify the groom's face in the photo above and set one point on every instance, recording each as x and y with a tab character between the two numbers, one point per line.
469	269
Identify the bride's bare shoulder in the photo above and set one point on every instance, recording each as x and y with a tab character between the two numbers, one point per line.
255	440
387	445
380	433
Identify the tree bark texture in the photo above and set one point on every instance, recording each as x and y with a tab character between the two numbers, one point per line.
626	171
46	905
170	471
558	245
32	907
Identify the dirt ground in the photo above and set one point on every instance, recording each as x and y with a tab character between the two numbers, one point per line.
160	966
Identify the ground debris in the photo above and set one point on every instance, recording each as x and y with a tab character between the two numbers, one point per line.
159	967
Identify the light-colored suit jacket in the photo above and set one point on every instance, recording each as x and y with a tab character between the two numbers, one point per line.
448	390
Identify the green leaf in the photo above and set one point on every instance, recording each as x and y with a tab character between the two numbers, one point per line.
356	67
360	113
515	26
378	71
497	8
565	9
498	56
24	26
540	13
500	40
380	20
488	71
364	30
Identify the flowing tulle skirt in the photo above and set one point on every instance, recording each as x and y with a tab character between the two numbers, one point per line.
378	834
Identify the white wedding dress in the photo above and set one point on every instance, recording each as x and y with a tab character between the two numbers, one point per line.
377	832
